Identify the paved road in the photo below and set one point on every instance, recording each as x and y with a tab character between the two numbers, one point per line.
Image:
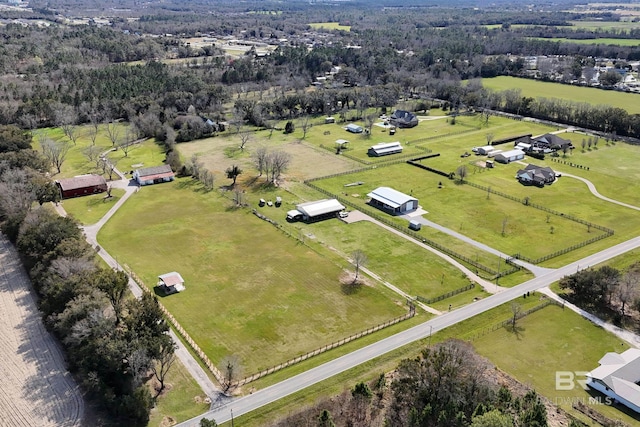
271	394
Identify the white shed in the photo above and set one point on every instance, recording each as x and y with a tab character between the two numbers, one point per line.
392	201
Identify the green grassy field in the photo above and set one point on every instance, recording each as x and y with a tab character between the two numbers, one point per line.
540	89
540	348
602	41
467	210
605	25
76	162
330	26
89	209
251	291
181	400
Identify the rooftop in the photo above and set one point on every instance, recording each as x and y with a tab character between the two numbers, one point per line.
81	181
390	197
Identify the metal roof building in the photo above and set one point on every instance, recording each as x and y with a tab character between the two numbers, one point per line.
392	201
81	185
319	209
385	148
153	175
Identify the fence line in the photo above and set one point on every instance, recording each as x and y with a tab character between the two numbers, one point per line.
325	348
185	336
445	296
413	234
547	302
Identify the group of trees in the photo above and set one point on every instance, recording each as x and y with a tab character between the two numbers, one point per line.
114	343
606	288
446	385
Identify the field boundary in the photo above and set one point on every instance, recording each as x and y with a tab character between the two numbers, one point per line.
484	331
445	296
183	334
494	273
325	348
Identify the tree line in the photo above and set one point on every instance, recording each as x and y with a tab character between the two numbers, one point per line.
114	344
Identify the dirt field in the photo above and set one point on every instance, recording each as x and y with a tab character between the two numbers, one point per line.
36	389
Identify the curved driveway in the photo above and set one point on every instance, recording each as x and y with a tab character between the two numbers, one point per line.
594	191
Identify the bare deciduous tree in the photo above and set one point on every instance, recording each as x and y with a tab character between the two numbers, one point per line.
627	289
516	309
163	363
245	138
359	260
278	162
231	371
92	153
113	131
505	220
55	151
66	119
260	159
305	125
461	172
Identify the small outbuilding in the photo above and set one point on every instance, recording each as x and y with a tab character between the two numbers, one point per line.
315	211
328	120
354	128
171	283
509	156
483	151
82	185
392	201
403	119
384	149
153	175
415	225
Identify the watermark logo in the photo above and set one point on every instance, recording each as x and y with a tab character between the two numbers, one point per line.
568	380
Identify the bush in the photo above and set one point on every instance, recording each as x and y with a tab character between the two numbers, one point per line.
289	127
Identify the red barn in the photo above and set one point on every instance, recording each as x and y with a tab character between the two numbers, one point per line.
82	185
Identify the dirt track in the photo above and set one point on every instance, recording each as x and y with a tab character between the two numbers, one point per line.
35	388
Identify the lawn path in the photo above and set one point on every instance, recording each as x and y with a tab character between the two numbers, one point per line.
594	191
36	388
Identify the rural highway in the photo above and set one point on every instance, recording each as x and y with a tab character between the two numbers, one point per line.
270	394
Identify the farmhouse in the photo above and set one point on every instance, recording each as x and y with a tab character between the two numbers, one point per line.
153	175
392	201
536	175
315	211
171	283
509	156
618	376
353	128
403	119
81	185
551	141
384	149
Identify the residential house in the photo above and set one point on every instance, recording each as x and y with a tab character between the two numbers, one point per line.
536	175
403	119
618	377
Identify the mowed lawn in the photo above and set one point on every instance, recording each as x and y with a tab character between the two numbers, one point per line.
550	340
467	210
540	89
251	291
89	209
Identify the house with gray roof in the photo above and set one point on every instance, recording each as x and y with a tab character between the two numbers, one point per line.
536	175
618	377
